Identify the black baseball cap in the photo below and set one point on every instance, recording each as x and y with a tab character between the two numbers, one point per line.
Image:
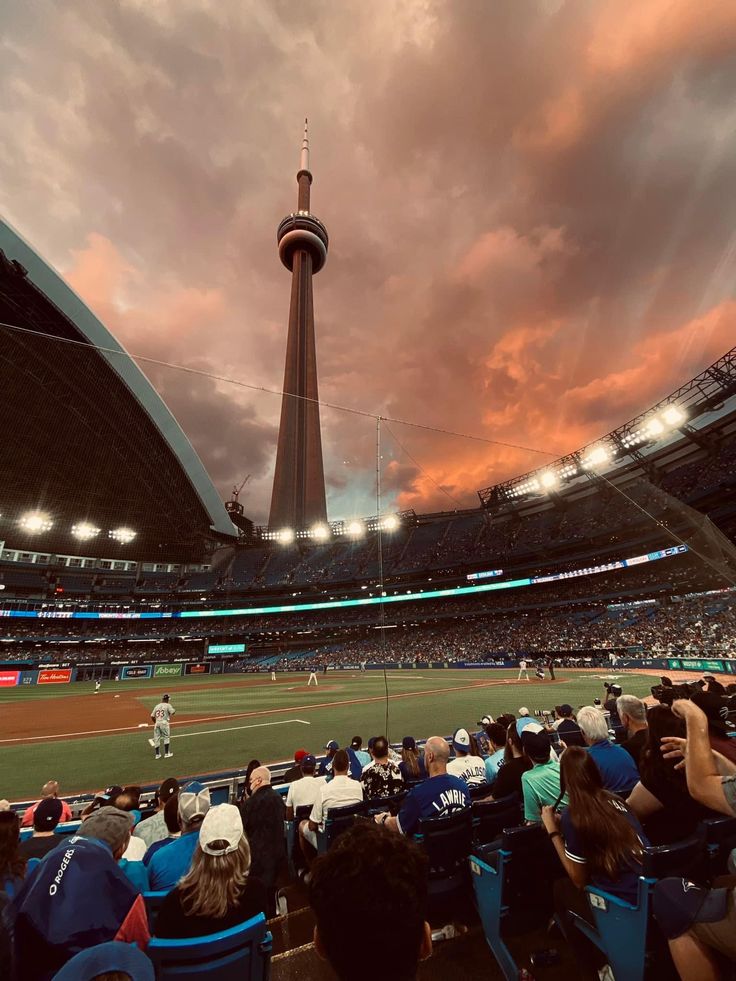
48	814
563	709
168	788
408	742
679	903
356	742
536	744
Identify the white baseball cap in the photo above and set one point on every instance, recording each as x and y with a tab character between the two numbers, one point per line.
523	710
221	823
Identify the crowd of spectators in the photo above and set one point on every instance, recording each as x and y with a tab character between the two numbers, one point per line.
606	781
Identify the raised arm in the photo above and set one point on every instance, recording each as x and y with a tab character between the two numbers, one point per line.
703	779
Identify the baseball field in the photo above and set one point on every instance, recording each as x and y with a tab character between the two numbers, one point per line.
88	741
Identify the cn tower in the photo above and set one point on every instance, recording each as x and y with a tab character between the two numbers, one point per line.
298	498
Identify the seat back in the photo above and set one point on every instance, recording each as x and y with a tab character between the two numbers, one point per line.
391	804
339	819
242	953
491	817
153	900
480	791
682	858
719	835
447	841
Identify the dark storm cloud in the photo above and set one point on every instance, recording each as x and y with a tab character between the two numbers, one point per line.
530	206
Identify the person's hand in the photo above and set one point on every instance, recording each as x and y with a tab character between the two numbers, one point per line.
685	709
674	748
550	819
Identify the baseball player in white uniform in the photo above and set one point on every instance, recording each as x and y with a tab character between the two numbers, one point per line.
161	717
98	685
523	670
313	677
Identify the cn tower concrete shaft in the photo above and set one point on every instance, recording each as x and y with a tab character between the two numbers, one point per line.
298	498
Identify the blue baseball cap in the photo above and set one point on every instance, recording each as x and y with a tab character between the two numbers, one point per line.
105	958
678	903
461	740
308	761
332	744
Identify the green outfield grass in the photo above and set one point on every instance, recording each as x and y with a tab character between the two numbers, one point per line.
438	702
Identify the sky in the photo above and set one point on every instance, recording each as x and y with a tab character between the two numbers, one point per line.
530	204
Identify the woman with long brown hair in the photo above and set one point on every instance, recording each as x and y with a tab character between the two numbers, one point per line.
217	893
412	762
599	842
12	864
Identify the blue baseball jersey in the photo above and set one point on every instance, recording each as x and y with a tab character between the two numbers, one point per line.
437	796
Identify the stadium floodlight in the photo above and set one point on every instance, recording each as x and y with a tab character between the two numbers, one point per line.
285	536
549	479
319	532
654	427
597	456
36	522
390	523
124	536
673	415
355	528
84	531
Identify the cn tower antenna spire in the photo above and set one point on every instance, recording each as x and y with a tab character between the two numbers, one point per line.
304	160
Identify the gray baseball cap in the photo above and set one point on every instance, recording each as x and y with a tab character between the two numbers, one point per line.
194	801
108	824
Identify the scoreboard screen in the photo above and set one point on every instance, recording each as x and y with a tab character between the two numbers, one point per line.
216	649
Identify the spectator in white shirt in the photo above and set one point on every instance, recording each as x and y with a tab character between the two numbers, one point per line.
306	790
468	764
339	792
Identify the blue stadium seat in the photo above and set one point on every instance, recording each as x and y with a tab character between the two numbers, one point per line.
481	791
492	817
719	834
391	804
242	953
153	900
501	881
447	842
31	865
337	820
621	929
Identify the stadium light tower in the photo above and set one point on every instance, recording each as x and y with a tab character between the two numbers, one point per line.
298	497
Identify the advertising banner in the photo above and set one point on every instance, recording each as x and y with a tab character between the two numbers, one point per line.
9	679
197	668
699	664
136	671
166	670
61	676
28	677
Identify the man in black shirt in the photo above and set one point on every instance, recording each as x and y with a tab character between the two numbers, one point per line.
295	773
567	728
45	818
633	714
263	819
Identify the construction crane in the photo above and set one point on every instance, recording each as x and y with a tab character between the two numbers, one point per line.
237	490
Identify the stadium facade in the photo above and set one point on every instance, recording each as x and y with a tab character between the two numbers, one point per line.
91	457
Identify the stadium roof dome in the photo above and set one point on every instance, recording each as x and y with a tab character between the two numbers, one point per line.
87	442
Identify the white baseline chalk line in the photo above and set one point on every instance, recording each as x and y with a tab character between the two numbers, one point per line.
256	725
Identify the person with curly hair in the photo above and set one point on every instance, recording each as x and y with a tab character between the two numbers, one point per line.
367	870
